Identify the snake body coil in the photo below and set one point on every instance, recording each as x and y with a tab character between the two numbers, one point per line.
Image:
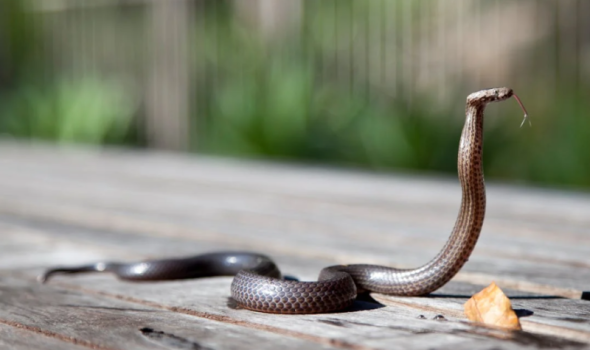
257	284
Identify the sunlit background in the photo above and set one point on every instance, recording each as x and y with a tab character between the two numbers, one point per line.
377	84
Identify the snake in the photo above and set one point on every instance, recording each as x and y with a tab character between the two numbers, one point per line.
258	285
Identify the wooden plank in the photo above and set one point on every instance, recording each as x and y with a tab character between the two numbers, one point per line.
188	245
263	177
24	248
403	318
398	190
114	319
111	323
219	302
306	224
565	318
14	336
75	207
266	177
339	251
214	293
305	221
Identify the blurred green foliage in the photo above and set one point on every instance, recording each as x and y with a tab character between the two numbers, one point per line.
269	101
554	151
91	110
274	105
38	102
258	100
277	111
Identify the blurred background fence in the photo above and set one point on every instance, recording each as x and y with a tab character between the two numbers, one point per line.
377	83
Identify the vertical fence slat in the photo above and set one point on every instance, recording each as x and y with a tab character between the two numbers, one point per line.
407	49
168	99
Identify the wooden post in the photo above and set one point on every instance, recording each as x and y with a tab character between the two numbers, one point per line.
167	102
271	17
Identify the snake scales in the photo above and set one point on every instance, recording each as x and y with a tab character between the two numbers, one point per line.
258	286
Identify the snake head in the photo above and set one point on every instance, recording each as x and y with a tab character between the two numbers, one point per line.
489	95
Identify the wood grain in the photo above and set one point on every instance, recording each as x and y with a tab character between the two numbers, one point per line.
68	207
14	336
112	323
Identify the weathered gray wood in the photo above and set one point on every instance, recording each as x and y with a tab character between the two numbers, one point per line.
202	300
214	293
97	322
566	318
159	220
436	202
15	337
77	206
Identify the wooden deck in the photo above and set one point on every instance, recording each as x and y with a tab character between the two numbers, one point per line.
64	207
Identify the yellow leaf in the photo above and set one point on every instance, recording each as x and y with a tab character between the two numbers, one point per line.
492	307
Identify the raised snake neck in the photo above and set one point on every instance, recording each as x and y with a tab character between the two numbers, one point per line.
257	284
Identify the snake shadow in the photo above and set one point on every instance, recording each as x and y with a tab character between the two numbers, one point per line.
364	302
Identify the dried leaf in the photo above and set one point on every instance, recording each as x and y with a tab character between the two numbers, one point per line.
492	307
